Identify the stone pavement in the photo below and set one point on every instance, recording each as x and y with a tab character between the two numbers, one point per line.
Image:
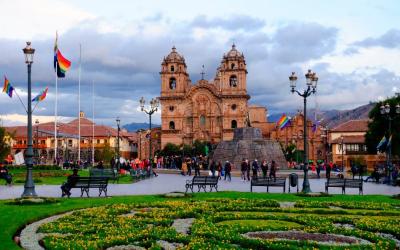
166	183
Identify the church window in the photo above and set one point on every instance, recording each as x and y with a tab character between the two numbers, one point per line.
172	68
171	108
202	121
233	124
233	106
233	81
232	66
172	83
171	125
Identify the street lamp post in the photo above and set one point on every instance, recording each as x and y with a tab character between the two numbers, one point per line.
311	81
118	129
154	103
385	111
29	187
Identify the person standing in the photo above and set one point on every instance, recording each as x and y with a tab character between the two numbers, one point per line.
189	167
243	169
196	168
254	168
184	168
328	171
212	168
318	170
248	169
264	168
272	172
228	169
219	169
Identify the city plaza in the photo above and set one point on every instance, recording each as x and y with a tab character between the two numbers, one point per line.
219	171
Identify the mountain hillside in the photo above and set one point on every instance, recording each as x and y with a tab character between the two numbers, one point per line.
332	118
134	126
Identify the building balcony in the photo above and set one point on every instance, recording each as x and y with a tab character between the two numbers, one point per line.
25	146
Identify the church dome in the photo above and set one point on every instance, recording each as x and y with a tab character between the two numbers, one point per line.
174	56
233	52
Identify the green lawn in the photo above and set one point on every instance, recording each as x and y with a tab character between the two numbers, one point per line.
52	177
14	217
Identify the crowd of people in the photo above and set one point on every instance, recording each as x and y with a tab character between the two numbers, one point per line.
258	169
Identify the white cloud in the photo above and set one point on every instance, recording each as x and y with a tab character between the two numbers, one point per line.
38	19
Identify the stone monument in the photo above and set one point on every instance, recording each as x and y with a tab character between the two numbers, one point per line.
248	143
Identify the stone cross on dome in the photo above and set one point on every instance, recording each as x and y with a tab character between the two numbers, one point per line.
202	72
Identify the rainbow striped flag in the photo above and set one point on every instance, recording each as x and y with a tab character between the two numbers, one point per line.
40	97
8	89
283	122
60	62
381	144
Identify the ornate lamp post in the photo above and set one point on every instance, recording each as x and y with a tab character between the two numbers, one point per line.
311	81
118	129
385	111
29	187
154	103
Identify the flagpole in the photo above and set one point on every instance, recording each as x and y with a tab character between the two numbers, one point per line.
23	105
92	123
79	104
55	118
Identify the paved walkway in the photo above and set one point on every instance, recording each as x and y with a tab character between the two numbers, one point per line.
165	183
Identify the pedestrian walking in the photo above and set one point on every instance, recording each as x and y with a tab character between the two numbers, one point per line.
264	168
248	170
228	169
243	169
213	167
254	168
272	172
219	169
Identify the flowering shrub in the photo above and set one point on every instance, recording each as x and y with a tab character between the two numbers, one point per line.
222	224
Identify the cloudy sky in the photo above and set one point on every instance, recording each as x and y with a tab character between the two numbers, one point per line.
354	46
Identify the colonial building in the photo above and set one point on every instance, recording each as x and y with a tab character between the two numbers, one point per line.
208	110
348	145
92	136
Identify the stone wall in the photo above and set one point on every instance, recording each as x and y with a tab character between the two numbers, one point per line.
248	143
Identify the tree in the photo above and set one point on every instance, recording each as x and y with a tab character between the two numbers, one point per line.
199	147
290	152
170	149
378	127
4	146
108	153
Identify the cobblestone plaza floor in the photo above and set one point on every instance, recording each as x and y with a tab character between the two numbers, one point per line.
166	183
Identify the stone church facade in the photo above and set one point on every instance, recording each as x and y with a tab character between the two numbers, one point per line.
207	110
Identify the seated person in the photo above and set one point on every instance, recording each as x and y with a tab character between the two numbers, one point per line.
71	180
4	174
374	175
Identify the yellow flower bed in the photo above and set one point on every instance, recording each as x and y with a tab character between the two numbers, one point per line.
221	224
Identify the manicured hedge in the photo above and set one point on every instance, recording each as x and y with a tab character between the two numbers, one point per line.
35	167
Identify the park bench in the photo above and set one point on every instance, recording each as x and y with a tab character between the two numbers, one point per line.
109	173
268	182
85	183
344	183
202	182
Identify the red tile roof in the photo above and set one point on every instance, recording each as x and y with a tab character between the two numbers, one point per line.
71	129
352	126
